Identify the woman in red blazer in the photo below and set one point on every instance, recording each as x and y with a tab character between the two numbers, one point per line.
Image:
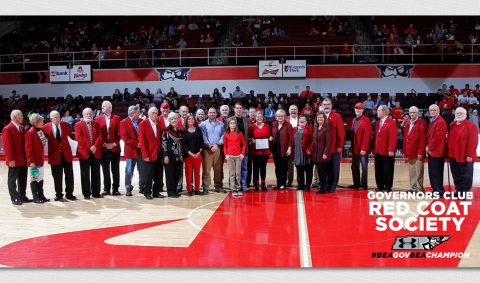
302	153
281	145
321	149
35	141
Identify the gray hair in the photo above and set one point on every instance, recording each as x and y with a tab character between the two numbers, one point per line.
88	109
35	118
224	106
14	113
434	106
53	113
461	110
151	109
384	108
413	109
280	111
198	111
132	109
108	104
171	116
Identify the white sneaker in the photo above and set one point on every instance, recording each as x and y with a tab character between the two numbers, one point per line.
239	193
234	193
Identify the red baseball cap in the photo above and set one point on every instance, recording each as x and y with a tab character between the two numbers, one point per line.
359	105
165	105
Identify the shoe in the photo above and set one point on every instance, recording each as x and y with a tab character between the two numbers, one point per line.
38	201
45	199
299	189
97	196
190	194
388	190
289	185
72	197
264	187
149	197
104	193
205	192
142	191
25	199
198	193
116	193
158	196
239	193
179	192
87	197
282	188
222	190
58	199
174	196
307	189
362	188
128	194
17	202
234	193
352	187
321	192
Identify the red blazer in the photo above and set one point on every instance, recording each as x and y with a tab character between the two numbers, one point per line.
255	133
14	144
149	144
130	138
56	149
335	122
113	135
414	143
361	138
386	139
463	141
81	135
437	137
286	134
34	149
306	140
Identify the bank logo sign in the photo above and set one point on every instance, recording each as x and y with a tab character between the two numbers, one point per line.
424	243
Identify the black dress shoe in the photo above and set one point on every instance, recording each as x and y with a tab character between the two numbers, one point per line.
158	196
149	197
58	199
352	187
38	201
173	196
25	199
321	192
141	191
105	193
205	192
116	193
199	193
128	194
190	194
45	199
97	196
17	202
289	185
72	197
87	197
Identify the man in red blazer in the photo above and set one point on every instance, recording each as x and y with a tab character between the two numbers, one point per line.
89	138
335	122
462	147
414	142
150	138
14	146
436	149
60	155
386	137
362	131
109	126
129	128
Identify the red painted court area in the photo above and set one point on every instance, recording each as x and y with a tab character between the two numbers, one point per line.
257	230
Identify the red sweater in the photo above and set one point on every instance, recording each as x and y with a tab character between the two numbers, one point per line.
257	133
234	144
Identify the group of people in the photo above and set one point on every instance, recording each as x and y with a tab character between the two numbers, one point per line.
173	143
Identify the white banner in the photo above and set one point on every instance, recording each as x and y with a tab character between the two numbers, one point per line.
81	73
59	74
269	69
295	69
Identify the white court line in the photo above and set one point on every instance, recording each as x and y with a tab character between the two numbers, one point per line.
303	233
189	216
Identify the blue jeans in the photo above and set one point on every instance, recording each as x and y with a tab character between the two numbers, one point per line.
244	172
129	169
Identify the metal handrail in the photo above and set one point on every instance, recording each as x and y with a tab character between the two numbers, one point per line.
413	54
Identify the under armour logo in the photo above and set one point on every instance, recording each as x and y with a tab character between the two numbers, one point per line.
418	242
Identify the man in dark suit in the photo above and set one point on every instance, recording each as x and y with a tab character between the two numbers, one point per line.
129	128
89	139
243	124
150	138
109	126
436	148
386	138
60	155
14	146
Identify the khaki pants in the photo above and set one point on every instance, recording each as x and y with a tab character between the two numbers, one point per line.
212	159
235	172
415	173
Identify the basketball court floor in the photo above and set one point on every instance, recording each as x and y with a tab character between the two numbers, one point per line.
287	229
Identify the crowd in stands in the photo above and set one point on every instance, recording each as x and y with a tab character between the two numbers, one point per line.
308	102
